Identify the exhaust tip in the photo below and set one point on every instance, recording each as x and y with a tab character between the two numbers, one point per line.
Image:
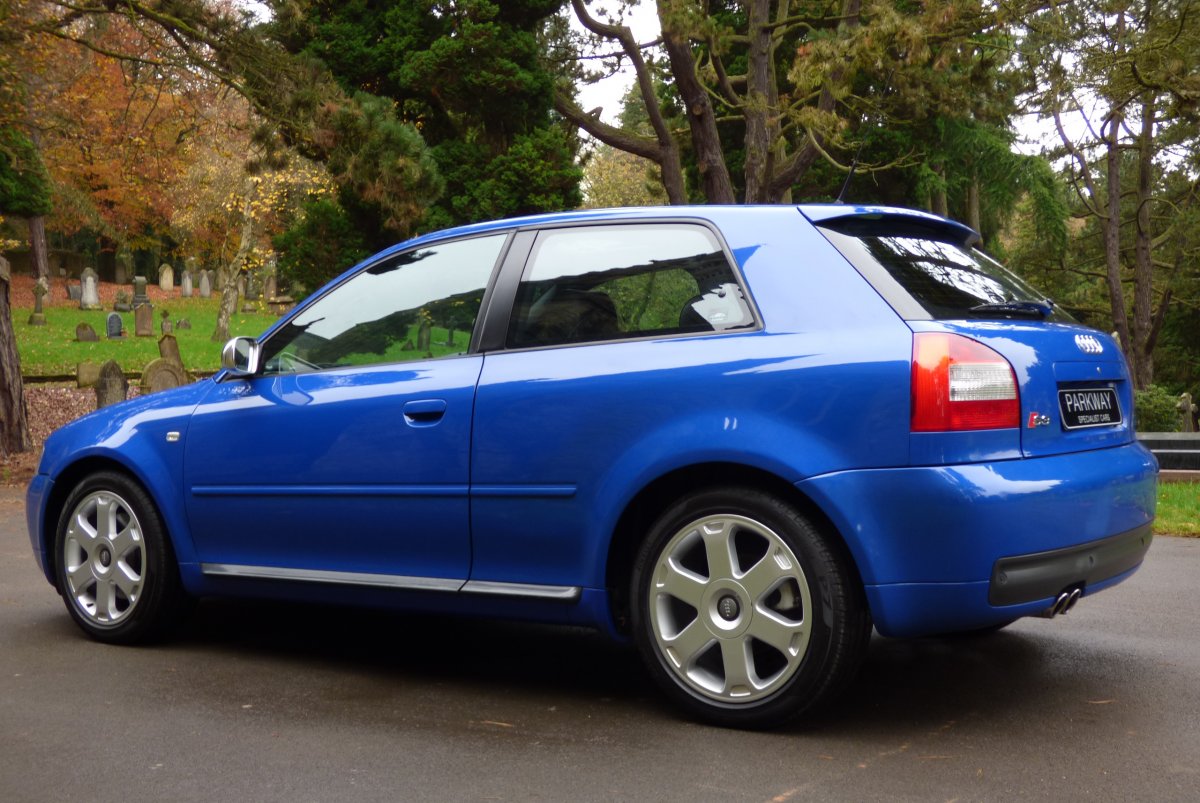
1074	598
1059	606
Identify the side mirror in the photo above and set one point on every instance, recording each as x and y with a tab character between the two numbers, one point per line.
241	356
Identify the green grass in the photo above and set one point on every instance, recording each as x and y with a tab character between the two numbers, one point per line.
1178	508
52	349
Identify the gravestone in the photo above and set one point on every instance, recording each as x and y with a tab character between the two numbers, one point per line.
139	292
166	277
111	386
166	327
183	323
143	320
74	291
84	333
40	289
423	337
124	269
162	374
113	327
121	302
89	297
168	349
87	374
450	335
205	284
185	284
270	287
1188	409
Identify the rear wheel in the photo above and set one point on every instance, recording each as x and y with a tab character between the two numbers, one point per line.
116	571
743	612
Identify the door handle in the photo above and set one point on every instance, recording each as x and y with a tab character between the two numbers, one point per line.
424	412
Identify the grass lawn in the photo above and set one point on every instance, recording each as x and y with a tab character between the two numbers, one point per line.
1178	508
52	349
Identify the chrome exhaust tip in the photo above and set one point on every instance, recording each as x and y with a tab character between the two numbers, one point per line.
1074	598
1059	606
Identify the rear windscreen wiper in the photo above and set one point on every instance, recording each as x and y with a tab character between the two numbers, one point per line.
1026	309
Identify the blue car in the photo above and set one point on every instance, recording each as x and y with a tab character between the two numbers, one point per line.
737	437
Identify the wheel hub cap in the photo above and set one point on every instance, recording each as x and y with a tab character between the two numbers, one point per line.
728	608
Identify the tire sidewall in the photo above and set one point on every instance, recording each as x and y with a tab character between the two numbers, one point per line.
802	690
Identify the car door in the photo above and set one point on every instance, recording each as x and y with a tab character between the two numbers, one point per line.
346	460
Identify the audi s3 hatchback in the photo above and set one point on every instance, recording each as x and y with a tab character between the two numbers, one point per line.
737	437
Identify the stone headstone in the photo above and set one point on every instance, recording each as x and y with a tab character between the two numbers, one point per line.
124	268
168	349
166	277
113	327
166	326
74	291
450	335
143	320
423	337
89	297
121	302
111	386
139	291
162	374
84	333
1188	410
205	284
40	289
183	323
270	287
185	284
87	374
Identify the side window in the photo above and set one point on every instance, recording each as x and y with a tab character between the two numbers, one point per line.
612	282
412	306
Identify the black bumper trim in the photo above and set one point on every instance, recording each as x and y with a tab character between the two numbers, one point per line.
1025	578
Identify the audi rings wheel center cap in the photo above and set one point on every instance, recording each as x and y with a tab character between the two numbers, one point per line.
728	608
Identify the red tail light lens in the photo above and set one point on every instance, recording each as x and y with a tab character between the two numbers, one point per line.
961	384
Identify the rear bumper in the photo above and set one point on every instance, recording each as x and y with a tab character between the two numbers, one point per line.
1027	578
930	542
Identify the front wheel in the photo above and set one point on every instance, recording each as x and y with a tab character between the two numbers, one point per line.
743	611
115	567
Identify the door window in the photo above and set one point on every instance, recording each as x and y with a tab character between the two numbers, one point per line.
416	305
616	282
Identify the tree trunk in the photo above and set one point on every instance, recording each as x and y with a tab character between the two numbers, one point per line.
760	80
706	143
1143	266
229	282
974	217
941	205
39	258
14	420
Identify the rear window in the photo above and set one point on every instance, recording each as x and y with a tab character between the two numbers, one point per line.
926	273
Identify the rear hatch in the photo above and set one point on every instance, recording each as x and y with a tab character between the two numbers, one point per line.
1072	381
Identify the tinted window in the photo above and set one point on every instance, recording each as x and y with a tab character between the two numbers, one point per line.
413	306
612	282
924	273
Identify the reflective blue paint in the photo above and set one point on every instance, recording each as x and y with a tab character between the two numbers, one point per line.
515	466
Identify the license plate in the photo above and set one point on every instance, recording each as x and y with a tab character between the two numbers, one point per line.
1089	407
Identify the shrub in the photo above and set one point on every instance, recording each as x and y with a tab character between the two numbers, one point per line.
1155	410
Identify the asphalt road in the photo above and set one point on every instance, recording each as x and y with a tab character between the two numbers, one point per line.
270	702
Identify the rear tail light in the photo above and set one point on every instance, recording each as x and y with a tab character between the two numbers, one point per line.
961	384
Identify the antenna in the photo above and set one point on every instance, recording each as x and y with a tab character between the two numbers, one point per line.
858	152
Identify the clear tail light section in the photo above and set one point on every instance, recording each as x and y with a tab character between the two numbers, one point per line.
960	384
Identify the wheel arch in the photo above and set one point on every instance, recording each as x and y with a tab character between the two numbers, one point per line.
648	503
66	481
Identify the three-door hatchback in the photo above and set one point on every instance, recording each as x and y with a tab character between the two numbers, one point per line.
737	436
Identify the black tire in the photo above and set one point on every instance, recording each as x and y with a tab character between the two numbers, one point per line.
815	609
114	564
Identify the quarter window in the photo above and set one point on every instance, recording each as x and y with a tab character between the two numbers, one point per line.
416	305
614	282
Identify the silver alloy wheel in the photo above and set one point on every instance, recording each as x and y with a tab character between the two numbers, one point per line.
104	558
729	609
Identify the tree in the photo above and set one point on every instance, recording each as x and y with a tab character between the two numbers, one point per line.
14	422
768	90
1136	65
470	75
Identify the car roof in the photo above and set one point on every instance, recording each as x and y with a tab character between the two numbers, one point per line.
815	213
